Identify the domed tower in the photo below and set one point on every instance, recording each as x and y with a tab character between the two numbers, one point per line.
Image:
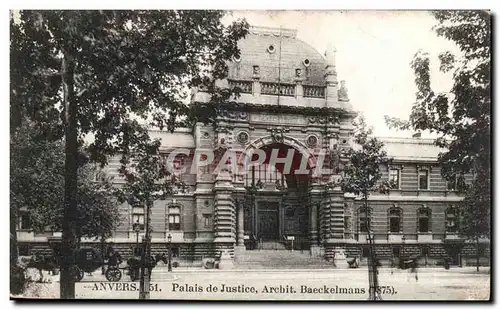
289	99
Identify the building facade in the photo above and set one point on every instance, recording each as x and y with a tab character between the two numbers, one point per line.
291	100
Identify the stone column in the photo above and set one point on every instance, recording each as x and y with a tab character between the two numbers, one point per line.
313	220
331	79
241	228
316	192
239	249
224	221
335	242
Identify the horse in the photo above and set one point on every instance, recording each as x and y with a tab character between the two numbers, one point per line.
41	263
134	265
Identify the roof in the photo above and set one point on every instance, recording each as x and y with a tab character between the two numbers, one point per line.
411	149
289	55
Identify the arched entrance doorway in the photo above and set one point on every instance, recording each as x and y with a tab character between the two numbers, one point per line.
277	204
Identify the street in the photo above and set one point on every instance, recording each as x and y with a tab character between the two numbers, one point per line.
331	284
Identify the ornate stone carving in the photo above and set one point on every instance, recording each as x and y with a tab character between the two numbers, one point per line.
205	135
342	92
232	115
224	138
242	137
298	72
334	156
330	120
278	118
277	134
256	71
312	141
332	141
243	115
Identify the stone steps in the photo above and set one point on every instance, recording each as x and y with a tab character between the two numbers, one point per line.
279	259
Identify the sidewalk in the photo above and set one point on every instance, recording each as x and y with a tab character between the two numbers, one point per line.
97	276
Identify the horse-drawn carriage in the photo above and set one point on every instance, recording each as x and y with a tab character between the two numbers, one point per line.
88	260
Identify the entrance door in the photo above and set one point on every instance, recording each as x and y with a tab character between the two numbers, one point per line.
268	222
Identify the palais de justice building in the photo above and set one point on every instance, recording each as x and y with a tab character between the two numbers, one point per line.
291	98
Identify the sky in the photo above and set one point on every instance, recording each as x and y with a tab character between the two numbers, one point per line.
374	51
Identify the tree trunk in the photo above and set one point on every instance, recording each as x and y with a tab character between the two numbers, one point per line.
103	268
477	254
67	282
372	263
13	244
146	259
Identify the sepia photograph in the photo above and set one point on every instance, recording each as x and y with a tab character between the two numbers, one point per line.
250	155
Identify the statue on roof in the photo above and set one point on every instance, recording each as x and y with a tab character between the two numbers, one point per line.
342	92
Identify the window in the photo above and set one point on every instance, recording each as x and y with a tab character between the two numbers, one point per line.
394	178
25	221
174	218
395	220
451	220
138	217
396	251
364	220
424	216
207	218
423	179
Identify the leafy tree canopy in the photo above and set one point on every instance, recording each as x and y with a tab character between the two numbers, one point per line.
362	174
460	117
126	64
37	183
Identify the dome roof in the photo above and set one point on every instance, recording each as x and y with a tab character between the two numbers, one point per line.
277	56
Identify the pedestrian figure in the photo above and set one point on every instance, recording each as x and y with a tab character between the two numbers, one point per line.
411	264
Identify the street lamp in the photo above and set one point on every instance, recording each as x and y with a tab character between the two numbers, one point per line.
137	229
403	238
169	252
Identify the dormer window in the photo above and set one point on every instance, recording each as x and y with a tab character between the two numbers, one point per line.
306	62
271	49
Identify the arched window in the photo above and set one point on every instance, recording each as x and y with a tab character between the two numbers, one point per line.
451	220
174	218
364	219
424	219
395	219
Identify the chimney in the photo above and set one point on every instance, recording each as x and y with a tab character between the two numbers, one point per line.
418	134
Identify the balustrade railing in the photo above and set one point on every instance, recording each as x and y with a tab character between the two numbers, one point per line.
244	86
277	89
314	91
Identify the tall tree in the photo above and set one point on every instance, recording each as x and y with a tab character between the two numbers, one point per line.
37	185
111	67
149	177
36	179
362	176
461	116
